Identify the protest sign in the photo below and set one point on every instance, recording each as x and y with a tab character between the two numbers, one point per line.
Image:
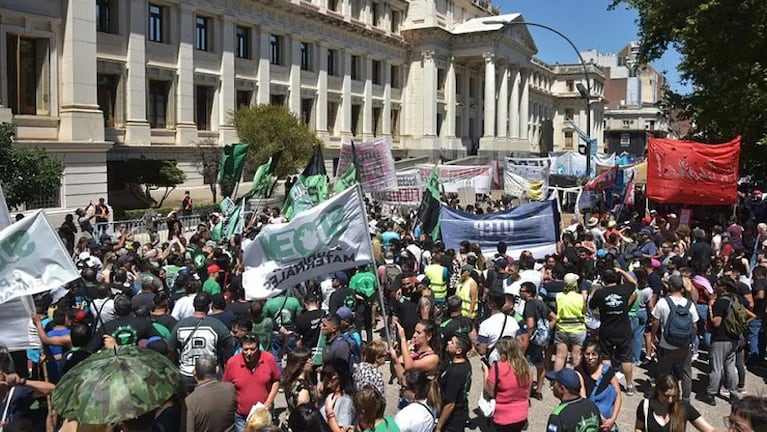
329	237
527	177
375	165
453	177
408	189
533	227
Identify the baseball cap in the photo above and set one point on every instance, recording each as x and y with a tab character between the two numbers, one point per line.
567	377
571	279
676	281
214	268
342	277
344	313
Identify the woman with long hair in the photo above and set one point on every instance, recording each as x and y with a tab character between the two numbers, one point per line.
509	380
338	409
666	411
296	379
306	418
424	355
370	405
418	415
600	385
367	372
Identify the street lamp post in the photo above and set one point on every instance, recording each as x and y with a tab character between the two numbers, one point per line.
585	92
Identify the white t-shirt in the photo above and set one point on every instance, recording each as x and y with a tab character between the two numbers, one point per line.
416	417
184	307
661	313
531	276
492	329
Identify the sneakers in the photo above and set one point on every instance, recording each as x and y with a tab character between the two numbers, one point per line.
631	390
621	378
708	399
724	392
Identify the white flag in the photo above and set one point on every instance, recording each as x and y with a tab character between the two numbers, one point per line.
5	215
329	237
32	258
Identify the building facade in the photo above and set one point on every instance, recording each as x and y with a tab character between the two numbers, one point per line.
97	82
633	92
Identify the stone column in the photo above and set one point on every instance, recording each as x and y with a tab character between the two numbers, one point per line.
81	118
503	103
264	67
489	94
450	100
186	129
429	93
514	112
386	112
524	106
137	130
467	112
346	95
294	81
367	98
322	92
227	103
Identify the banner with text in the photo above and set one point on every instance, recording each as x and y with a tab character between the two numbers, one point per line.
375	165
533	227
527	177
32	258
408	189
329	237
454	177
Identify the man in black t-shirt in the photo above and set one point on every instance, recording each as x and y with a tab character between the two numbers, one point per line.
343	295
759	294
574	414
125	328
535	311
455	325
308	323
613	302
455	383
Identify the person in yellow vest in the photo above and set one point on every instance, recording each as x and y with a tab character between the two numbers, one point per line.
570	331
438	277
468	292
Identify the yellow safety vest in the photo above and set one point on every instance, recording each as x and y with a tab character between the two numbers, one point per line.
464	292
438	284
570	312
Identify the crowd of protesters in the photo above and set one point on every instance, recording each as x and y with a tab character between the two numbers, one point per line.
617	295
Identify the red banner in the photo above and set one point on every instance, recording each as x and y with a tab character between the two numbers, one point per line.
688	172
603	181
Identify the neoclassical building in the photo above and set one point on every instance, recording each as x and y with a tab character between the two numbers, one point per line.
96	82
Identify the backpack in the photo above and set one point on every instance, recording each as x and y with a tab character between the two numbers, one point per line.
541	333
678	329
390	274
355	352
735	320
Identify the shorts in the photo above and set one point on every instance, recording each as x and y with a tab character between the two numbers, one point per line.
569	339
534	354
619	349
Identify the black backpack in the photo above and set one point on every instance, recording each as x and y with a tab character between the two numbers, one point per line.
678	329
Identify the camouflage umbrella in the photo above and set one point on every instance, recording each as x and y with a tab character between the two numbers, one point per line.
115	385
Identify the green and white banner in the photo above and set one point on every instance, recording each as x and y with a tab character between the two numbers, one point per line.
32	258
329	237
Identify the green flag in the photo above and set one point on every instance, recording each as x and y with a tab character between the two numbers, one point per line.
350	177
262	179
232	162
428	211
298	200
234	222
315	178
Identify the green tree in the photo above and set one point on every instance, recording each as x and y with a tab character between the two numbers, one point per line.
147	175
26	174
723	47
272	128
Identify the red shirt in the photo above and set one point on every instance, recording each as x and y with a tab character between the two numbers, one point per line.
252	387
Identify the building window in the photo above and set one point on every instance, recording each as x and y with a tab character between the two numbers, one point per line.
651	124
28	75
568	113
458	84
332	62
356	123
156	20
395	76
203	105
355	73
277	99
376	14
307	104
201	34
158	104
48	201
568	140
332	114
356	9
472	87
626	124
441	78
244	98
306	56
106	16
440	116
243	42
275	49
570	85
377	121
333	5
395	123
106	88
625	140
376	72
396	16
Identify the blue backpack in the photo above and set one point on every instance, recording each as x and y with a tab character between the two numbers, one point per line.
355	351
678	330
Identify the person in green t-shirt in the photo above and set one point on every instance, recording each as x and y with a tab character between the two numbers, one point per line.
262	324
364	284
283	310
211	286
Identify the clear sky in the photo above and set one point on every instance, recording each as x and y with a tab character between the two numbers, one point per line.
589	25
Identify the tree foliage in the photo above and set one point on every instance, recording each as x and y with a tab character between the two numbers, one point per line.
26	174
148	175
272	128
207	162
723	47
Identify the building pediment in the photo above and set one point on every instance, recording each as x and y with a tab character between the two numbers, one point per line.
509	26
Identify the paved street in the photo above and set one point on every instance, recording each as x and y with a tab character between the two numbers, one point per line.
540	410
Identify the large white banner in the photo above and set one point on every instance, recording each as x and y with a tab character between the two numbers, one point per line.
32	258
527	177
408	189
375	165
454	177
331	236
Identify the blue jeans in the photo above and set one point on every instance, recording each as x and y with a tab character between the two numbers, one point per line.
239	422
702	331
637	334
277	347
754	327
